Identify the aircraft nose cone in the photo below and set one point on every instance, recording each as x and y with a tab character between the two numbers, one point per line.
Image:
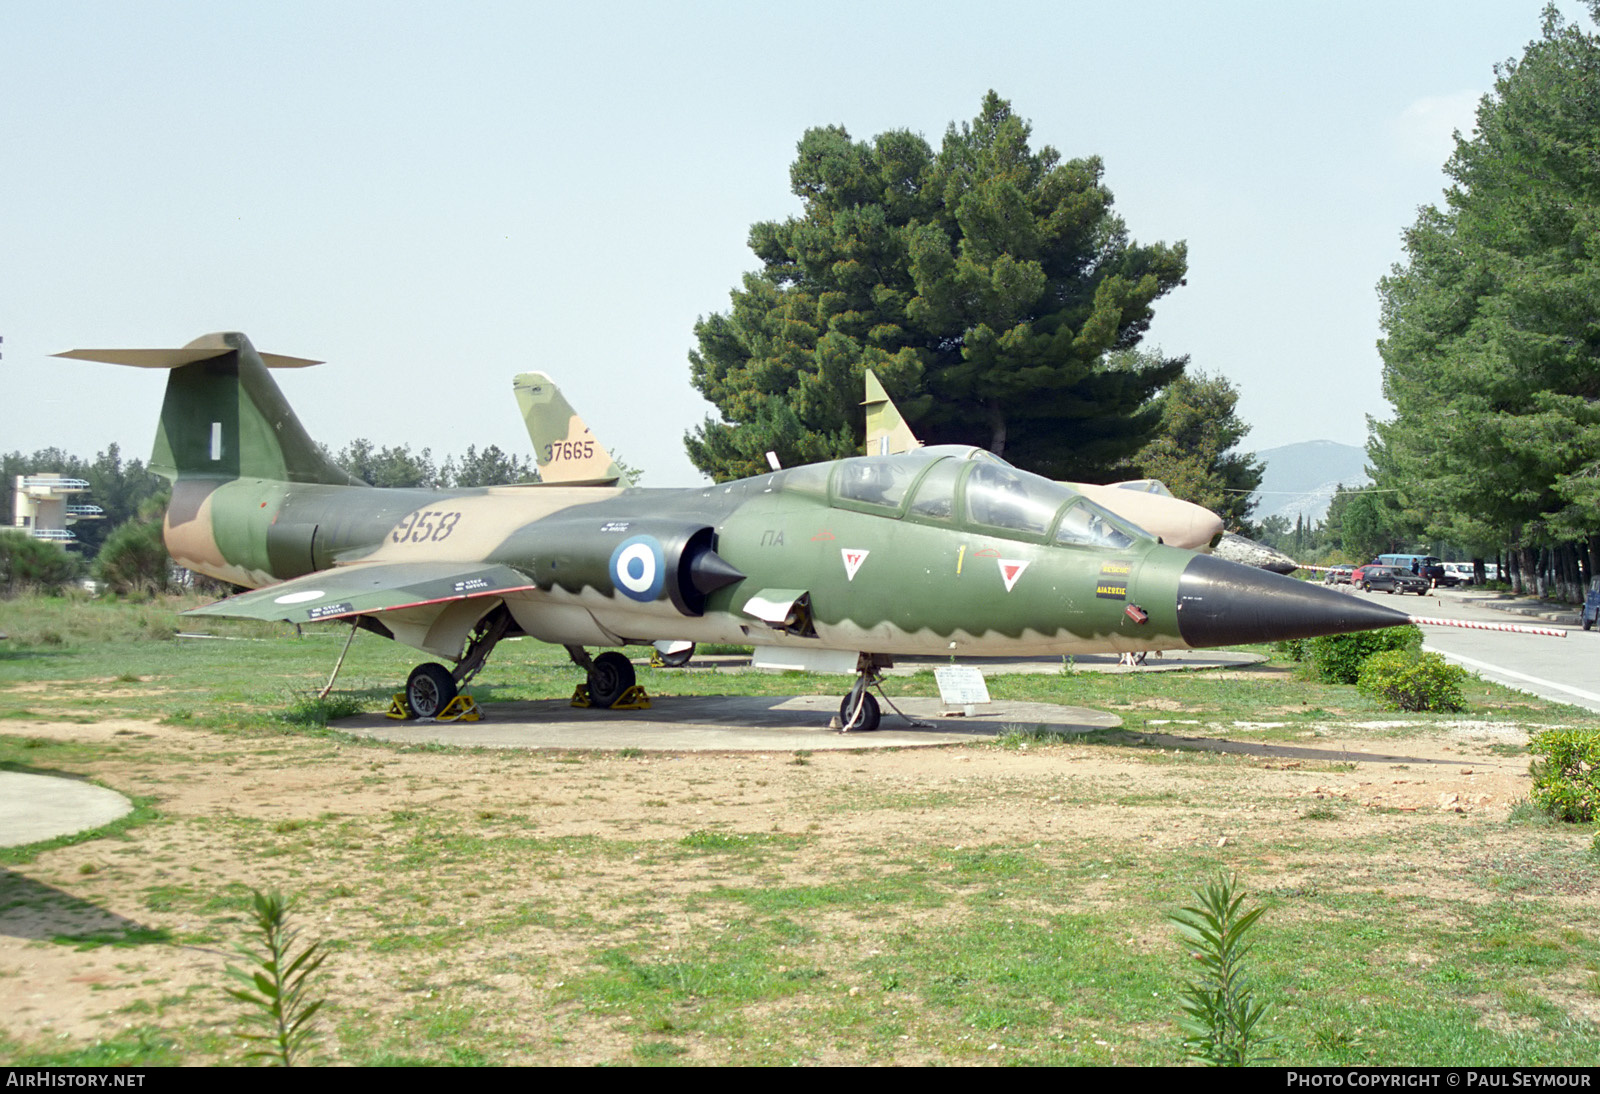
1223	604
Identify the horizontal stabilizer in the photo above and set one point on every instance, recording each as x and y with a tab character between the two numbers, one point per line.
368	589
176	358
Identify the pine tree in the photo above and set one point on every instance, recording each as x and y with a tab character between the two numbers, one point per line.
986	284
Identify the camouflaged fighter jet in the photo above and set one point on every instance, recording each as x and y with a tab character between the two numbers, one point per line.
837	566
567	451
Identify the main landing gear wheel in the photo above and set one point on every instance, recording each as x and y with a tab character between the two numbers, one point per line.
429	690
610	676
862	718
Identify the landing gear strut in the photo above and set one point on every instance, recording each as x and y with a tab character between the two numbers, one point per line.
859	713
431	687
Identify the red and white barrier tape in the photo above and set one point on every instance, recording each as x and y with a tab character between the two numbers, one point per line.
1514	628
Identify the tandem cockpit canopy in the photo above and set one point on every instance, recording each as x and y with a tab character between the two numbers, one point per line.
965	488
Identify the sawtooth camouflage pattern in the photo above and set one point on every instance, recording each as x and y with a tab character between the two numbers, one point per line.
1146	502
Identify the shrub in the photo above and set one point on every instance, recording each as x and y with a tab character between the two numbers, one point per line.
134	559
1566	780
1292	648
28	563
1338	657
1412	680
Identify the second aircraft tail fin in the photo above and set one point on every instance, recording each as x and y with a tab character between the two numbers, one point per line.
563	447
887	432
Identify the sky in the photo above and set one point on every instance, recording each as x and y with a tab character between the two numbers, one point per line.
432	198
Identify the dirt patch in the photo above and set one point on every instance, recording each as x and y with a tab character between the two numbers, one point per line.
335	819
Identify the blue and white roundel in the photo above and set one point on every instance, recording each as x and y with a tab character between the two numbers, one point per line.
638	568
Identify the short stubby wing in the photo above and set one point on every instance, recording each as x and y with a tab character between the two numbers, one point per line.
369	589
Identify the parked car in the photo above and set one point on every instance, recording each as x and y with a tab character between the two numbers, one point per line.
1392	579
1461	571
1428	566
1338	575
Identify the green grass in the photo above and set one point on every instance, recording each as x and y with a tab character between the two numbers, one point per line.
819	908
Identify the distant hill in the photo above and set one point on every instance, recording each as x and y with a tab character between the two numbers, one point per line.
1301	478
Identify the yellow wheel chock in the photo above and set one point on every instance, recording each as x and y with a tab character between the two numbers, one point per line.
460	709
632	699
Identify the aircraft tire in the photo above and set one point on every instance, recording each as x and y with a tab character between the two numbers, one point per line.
868	718
429	689
610	678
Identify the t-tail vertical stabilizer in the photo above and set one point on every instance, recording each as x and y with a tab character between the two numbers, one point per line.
563	447
235	453
224	416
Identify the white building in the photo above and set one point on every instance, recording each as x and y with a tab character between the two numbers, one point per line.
43	506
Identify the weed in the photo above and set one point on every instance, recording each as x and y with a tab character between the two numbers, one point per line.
703	839
317	713
1013	736
1221	1007
280	1004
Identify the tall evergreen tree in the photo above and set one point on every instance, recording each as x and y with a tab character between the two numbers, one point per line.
1491	350
985	284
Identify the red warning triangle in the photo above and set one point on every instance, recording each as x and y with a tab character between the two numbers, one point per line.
1010	570
853	558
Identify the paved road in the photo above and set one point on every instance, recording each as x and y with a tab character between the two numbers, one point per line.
1566	669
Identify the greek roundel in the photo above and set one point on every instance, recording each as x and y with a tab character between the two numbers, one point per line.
638	568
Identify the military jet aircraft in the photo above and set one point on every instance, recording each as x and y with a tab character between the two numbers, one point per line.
568	452
840	565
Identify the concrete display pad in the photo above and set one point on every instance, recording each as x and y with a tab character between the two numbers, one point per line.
721	723
41	807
